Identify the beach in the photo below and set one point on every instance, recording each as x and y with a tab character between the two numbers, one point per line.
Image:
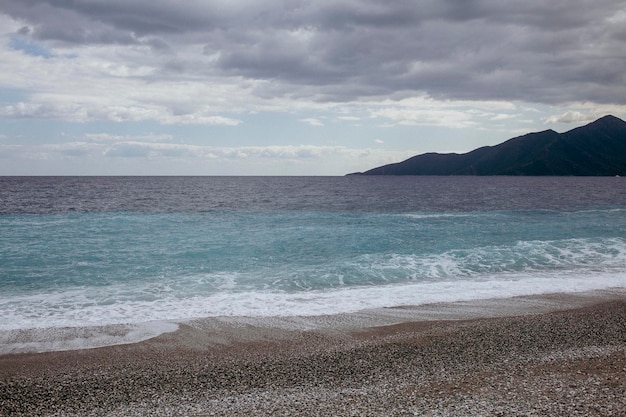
557	355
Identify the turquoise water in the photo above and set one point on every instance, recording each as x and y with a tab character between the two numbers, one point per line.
97	251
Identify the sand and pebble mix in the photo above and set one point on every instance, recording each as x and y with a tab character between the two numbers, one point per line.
561	363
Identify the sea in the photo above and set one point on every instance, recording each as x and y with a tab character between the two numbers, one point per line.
152	252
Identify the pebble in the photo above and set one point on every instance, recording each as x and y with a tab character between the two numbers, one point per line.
568	363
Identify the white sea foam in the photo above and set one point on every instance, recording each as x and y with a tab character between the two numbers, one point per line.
113	324
73	338
443	215
69	310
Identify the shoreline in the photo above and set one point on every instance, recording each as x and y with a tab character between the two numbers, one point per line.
555	354
227	329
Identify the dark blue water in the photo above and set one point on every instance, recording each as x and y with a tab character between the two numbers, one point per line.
92	251
47	195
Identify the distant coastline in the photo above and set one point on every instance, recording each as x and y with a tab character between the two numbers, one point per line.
596	149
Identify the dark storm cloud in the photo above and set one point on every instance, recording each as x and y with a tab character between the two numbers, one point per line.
345	50
83	16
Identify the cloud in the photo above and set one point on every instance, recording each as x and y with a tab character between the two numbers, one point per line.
144	158
407	116
107	137
425	111
55	107
106	145
145	150
312	121
580	113
501	116
570	117
252	55
214	73
147	158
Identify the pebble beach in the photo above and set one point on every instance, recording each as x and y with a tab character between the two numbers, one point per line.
567	358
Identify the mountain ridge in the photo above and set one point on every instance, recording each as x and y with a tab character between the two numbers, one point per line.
596	149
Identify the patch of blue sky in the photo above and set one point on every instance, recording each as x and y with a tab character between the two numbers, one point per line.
12	95
30	48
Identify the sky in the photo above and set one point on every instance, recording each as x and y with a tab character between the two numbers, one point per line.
294	87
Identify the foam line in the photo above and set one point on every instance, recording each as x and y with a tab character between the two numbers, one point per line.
73	338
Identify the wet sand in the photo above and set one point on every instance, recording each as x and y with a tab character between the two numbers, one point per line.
558	355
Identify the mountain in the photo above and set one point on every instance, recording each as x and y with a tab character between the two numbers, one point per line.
598	148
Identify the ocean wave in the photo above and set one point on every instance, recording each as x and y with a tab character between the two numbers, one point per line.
369	281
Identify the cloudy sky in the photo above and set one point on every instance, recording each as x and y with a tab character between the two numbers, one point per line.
294	87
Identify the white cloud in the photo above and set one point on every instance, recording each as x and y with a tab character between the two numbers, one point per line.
501	116
93	86
198	66
148	158
119	146
63	108
423	110
580	113
152	150
107	137
570	117
199	63
312	121
412	115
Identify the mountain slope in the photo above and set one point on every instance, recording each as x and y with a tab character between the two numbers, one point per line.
598	148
